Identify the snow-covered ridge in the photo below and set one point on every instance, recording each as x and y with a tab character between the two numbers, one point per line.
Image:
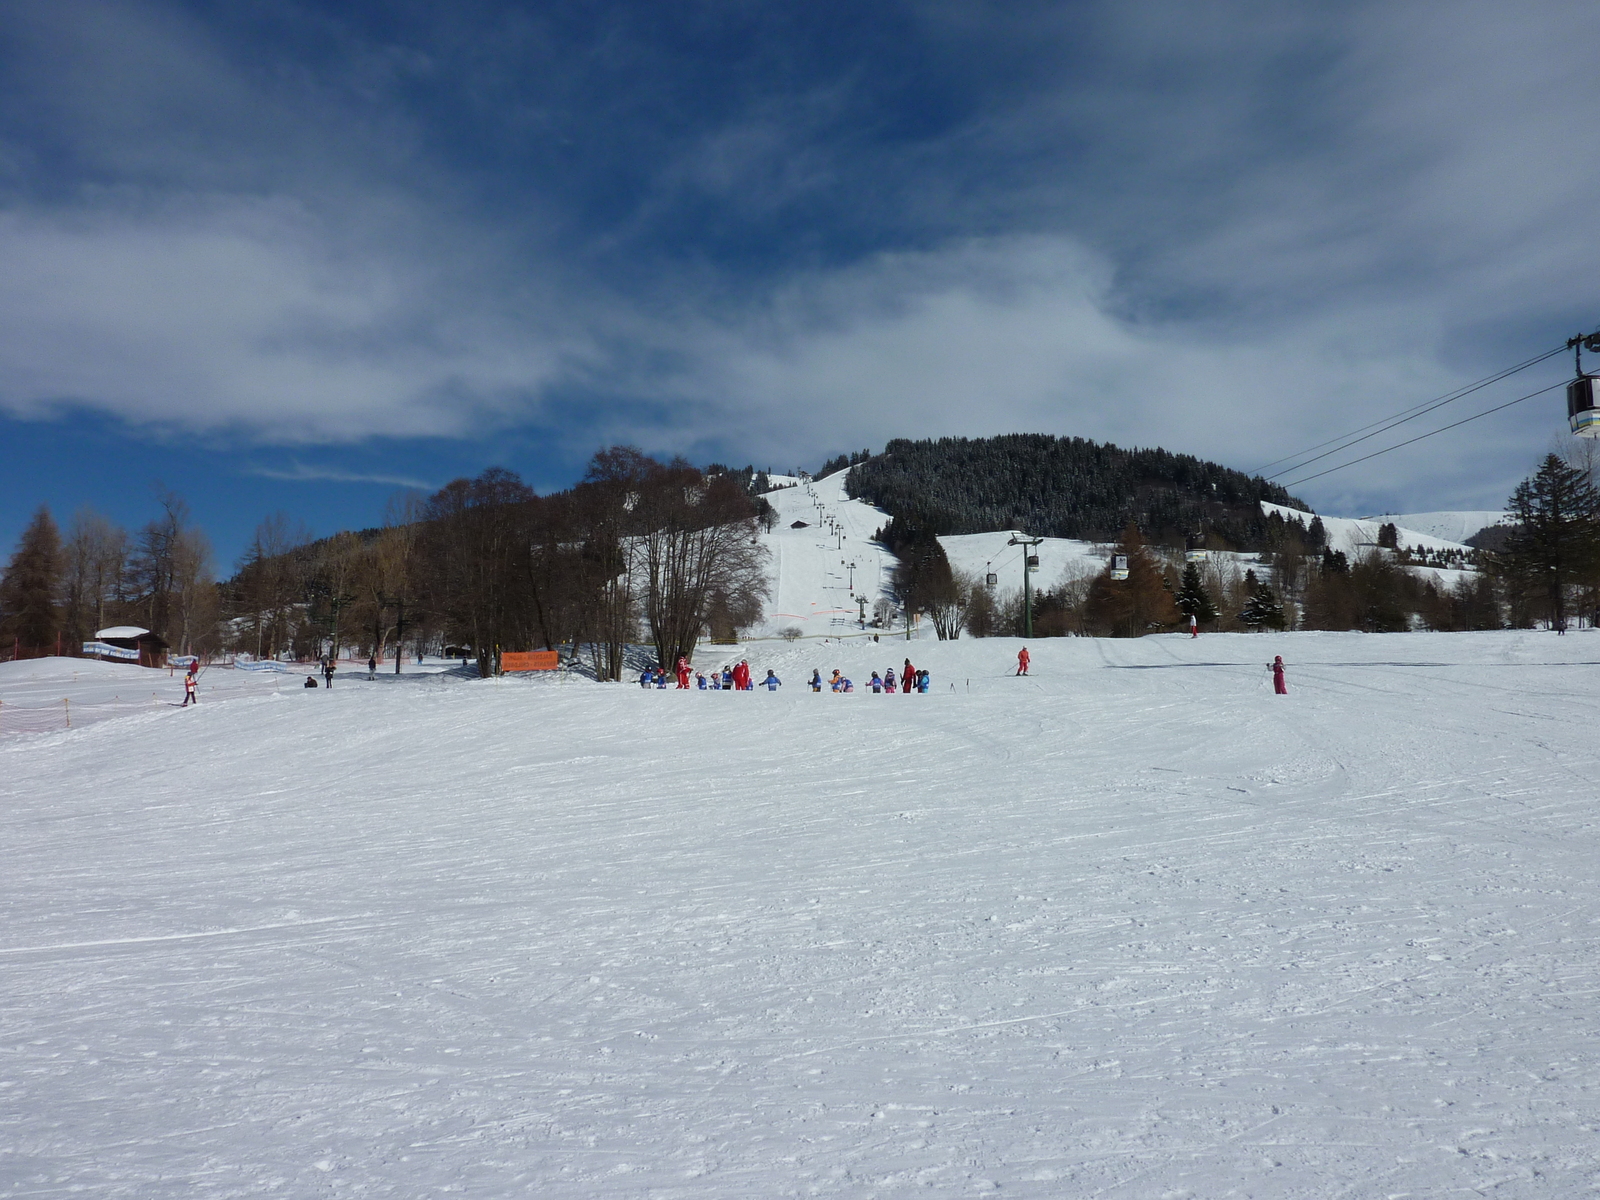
1452	526
1355	536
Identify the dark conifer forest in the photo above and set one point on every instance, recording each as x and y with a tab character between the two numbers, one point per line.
1063	487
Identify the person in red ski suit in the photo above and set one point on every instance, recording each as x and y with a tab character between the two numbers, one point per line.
1278	685
741	676
908	678
1023	659
682	669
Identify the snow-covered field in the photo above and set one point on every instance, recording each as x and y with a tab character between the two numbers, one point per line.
1135	927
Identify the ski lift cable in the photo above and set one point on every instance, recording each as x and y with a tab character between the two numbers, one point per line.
1416	408
1384	424
1442	429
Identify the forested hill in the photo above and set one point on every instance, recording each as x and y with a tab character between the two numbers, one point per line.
1063	487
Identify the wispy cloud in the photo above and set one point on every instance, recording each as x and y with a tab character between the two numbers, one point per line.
300	472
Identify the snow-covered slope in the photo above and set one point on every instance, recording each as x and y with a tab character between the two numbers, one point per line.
1134	927
1450	526
1354	536
813	587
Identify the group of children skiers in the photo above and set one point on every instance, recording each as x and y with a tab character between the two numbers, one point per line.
909	680
737	677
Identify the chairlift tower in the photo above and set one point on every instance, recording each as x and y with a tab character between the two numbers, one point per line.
1030	563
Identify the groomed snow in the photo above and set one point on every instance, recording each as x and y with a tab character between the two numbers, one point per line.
1135	927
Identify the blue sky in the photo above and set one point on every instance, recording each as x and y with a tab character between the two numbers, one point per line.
294	256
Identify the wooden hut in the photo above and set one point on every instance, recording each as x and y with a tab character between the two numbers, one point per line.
146	648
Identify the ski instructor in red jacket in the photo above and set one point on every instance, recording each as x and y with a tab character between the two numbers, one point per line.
1023	659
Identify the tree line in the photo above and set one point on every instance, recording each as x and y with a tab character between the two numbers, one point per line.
1062	487
638	547
58	590
1544	568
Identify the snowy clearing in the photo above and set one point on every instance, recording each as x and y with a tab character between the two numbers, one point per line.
1134	927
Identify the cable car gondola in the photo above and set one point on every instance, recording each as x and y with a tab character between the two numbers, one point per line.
1119	567
1583	417
1195	548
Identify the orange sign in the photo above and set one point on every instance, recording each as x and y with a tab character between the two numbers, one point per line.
531	660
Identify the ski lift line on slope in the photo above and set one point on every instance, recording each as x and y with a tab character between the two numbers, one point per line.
1394	420
1442	429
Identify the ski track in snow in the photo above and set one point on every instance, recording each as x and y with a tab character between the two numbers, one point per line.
1133	927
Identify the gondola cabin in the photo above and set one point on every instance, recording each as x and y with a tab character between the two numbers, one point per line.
1033	562
1119	567
1582	415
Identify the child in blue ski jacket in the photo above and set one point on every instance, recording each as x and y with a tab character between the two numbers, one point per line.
923	682
772	682
876	683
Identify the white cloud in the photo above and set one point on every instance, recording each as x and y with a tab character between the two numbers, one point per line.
254	316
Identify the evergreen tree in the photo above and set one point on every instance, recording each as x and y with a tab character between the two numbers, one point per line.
1555	543
1262	609
1193	600
1132	607
30	590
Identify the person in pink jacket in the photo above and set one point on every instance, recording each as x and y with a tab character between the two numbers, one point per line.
1278	685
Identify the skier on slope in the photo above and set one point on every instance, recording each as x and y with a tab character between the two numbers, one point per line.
191	683
1194	626
1023	659
727	679
328	668
683	673
647	677
890	683
1278	685
816	679
908	678
772	683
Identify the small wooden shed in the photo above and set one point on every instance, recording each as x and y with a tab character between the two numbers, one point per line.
150	649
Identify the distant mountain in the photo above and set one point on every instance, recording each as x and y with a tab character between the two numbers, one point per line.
1064	487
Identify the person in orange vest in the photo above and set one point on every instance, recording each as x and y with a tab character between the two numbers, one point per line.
1023	659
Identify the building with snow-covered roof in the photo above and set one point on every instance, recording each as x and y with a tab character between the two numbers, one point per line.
128	643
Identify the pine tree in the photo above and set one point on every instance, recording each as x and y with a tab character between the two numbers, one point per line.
1135	606
30	590
1262	609
1193	600
1556	540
